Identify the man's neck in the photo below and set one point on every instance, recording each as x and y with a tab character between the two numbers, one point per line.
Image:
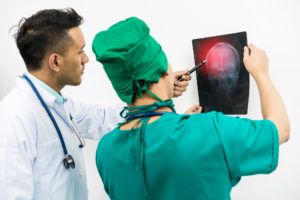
48	79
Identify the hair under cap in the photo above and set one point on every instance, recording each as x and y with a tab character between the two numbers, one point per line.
129	54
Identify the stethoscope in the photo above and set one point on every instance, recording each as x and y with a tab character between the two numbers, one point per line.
68	161
144	115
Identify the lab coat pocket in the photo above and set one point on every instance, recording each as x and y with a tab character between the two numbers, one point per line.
51	173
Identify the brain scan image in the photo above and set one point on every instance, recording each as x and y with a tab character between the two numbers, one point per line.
223	71
223	82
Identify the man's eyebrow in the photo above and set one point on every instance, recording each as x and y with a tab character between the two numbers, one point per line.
82	47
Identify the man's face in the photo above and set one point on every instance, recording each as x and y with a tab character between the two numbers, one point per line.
74	59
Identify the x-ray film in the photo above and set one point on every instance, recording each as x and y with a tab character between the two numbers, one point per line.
223	81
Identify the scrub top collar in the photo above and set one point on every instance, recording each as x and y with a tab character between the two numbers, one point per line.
38	82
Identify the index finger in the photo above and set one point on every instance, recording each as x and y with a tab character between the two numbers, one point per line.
180	73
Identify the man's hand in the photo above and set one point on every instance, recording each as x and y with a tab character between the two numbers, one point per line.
256	61
194	109
180	86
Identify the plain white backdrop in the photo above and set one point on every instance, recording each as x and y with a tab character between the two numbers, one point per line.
271	25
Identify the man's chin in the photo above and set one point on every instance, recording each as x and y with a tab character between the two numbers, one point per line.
76	83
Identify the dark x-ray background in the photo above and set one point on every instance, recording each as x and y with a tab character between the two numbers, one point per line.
229	92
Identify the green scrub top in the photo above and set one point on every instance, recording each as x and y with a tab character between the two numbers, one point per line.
197	157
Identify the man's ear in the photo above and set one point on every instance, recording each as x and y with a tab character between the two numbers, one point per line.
55	62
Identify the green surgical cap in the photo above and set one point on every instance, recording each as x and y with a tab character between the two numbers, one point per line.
129	54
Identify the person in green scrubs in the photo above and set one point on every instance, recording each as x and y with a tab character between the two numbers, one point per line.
157	154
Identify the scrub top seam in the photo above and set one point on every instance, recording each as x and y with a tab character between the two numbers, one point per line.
273	162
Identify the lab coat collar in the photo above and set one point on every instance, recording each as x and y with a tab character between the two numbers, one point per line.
47	96
37	81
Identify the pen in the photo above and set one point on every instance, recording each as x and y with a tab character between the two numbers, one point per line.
192	70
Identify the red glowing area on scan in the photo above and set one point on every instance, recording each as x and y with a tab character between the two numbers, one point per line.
222	59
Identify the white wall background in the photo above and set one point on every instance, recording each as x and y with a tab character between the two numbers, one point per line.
271	25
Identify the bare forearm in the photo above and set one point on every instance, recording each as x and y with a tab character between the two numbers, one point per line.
272	106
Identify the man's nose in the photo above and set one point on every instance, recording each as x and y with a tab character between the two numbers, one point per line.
85	58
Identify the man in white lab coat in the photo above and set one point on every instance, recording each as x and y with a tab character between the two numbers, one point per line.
31	149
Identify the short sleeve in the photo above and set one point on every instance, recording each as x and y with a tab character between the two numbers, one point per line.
250	146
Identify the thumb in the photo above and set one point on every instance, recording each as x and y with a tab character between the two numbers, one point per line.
246	54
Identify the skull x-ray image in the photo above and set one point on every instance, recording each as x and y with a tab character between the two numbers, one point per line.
223	81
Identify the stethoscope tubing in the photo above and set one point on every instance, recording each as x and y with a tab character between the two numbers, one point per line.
144	115
49	114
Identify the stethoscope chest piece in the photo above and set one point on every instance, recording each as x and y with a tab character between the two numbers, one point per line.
69	162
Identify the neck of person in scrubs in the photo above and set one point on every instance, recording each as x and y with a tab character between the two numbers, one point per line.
163	89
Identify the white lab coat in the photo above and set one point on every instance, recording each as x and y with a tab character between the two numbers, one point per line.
31	154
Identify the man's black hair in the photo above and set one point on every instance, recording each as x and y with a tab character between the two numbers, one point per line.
45	32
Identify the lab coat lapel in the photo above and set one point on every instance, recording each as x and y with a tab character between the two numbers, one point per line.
49	99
